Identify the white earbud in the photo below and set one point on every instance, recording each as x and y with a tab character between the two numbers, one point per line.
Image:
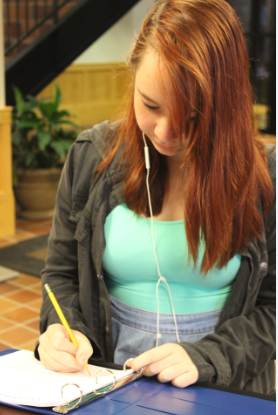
147	154
163	279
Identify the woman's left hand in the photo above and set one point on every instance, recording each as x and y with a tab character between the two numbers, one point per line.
170	362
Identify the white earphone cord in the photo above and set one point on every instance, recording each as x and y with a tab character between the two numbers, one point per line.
161	278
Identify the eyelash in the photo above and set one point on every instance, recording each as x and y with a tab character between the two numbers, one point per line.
149	107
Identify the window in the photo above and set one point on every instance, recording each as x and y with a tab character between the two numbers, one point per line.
258	22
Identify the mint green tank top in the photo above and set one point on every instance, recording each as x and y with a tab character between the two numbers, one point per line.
130	268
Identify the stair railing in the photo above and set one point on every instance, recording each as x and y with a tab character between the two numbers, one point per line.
18	11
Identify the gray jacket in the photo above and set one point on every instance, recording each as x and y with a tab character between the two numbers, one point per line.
241	351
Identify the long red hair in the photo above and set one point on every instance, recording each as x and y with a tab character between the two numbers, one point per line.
202	46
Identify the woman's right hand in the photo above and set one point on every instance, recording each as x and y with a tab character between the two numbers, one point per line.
59	354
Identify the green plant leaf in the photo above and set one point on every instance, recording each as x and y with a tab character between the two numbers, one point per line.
35	123
59	115
57	96
16	138
24	106
30	160
20	104
66	144
58	148
44	138
63	113
39	139
32	102
47	108
54	126
68	122
15	177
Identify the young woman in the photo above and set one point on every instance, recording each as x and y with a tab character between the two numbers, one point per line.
173	265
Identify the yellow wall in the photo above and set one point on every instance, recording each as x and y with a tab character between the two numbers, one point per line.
91	92
7	205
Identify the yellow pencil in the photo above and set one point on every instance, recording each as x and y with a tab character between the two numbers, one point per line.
63	319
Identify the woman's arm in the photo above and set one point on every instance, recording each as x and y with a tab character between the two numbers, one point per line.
61	271
240	349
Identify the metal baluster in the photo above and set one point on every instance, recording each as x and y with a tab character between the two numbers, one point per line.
36	12
26	16
8	22
45	8
17	20
55	11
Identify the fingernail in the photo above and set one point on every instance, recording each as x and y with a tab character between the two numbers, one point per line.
82	359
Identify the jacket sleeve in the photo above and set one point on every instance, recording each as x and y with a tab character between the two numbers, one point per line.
242	347
61	271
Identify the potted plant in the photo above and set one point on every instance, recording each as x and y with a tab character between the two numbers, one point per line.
40	144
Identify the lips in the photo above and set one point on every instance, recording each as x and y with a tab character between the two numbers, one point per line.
165	146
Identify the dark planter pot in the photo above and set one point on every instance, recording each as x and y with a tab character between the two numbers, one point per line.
36	192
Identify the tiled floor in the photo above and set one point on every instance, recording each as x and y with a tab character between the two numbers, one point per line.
20	297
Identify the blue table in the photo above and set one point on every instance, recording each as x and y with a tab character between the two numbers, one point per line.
146	396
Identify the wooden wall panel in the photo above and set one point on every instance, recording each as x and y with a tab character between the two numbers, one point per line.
7	204
92	93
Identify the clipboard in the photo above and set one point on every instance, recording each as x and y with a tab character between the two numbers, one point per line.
147	396
83	398
89	397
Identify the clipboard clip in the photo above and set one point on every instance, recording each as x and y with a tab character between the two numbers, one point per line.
137	374
103	390
62	409
112	386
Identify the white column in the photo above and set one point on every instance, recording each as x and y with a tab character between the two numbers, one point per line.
2	59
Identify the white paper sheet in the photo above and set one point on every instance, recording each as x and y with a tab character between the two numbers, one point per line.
24	381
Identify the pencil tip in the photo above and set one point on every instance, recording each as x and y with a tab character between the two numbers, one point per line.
87	369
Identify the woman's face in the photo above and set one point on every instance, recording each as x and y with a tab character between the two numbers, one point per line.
151	89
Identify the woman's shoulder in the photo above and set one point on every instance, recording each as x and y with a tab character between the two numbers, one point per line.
97	136
271	159
85	155
90	146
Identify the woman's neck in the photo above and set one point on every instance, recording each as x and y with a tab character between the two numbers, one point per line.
173	205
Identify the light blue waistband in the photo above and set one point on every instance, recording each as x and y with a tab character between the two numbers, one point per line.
147	320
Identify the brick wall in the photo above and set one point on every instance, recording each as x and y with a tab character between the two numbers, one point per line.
20	16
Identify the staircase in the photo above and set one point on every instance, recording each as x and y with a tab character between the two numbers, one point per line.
43	37
26	20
